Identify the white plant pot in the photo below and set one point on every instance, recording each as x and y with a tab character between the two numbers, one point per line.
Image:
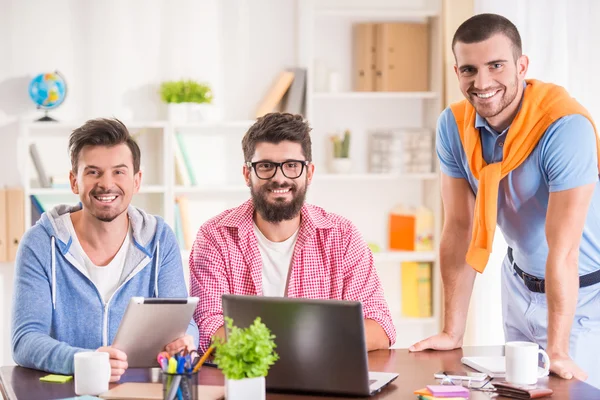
341	165
245	389
203	113
182	113
178	113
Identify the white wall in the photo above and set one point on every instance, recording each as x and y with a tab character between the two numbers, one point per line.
115	53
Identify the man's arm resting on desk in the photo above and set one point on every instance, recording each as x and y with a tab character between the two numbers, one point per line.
567	211
457	277
32	346
375	336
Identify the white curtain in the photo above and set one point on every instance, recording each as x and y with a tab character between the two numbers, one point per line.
561	39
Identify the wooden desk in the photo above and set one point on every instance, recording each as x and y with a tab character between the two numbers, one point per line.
416	371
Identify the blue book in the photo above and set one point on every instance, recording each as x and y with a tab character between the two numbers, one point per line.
37	209
178	227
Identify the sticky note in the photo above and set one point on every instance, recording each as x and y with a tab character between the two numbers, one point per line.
423	392
448	391
56	378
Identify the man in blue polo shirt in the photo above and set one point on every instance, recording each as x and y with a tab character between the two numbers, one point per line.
534	150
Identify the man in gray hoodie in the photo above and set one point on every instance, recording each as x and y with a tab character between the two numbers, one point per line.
78	267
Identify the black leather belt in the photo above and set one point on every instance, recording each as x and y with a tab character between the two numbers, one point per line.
538	285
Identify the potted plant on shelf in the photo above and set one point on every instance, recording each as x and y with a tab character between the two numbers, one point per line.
245	359
341	162
188	101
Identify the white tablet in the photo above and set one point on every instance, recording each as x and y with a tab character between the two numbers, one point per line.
149	324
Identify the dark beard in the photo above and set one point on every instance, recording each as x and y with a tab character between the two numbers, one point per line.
279	211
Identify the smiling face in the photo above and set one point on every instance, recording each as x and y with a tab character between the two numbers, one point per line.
279	198
490	77
105	180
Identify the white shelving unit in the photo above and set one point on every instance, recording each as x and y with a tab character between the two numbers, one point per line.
364	198
325	42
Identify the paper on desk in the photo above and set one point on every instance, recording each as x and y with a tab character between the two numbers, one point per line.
154	391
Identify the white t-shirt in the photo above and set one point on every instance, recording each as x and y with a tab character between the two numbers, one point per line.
106	278
276	260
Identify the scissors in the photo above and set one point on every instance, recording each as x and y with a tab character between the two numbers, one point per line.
192	360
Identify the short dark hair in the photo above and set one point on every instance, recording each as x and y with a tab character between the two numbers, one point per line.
102	132
483	26
275	128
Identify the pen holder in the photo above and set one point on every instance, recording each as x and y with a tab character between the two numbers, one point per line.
180	386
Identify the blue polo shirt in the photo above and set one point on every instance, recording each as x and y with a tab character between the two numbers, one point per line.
564	158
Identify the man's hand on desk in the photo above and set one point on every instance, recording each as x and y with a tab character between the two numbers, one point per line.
118	362
183	343
441	341
566	368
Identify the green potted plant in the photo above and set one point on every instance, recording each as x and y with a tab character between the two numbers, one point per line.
245	358
341	162
188	100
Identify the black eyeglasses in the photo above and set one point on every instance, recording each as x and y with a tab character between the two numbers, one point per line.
291	169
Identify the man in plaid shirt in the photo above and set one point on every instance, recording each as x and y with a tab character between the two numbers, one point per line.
276	245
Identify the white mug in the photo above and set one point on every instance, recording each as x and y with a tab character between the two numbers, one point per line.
92	373
522	363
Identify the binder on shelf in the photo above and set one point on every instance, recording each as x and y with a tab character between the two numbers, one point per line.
275	94
294	98
15	210
401	57
3	227
39	167
416	289
364	57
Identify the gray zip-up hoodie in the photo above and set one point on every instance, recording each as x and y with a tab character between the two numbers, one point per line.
57	309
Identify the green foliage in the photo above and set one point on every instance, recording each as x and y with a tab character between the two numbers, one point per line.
341	147
185	91
247	353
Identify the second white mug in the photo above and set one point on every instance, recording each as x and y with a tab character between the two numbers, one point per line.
92	373
522	363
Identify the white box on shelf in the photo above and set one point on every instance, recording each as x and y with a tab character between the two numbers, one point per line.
401	151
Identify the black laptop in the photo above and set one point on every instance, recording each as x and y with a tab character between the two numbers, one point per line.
321	344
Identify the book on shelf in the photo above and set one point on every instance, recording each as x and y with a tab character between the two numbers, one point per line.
39	167
275	94
37	209
184	214
294	98
60	182
416	289
184	171
178	227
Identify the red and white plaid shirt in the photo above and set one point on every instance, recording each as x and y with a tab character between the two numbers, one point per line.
330	261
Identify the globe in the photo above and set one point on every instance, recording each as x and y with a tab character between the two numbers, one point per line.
48	91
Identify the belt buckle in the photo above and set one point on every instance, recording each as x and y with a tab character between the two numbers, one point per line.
537	282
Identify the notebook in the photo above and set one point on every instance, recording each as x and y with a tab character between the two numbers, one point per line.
154	391
494	367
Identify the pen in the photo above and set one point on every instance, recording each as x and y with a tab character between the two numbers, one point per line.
204	357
